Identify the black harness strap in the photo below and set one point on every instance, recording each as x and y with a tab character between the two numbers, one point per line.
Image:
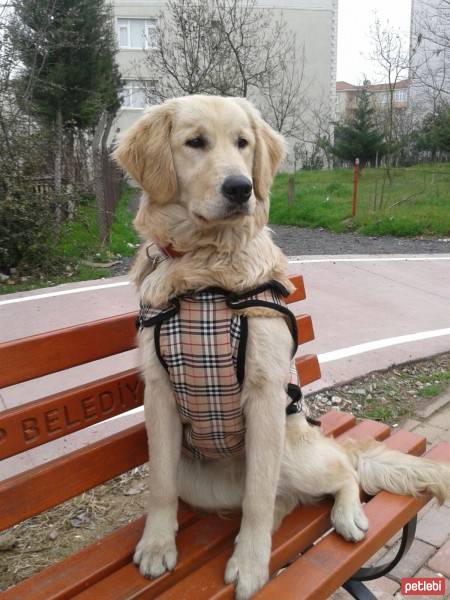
295	406
236	301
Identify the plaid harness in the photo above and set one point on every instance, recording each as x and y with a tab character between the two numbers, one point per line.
201	341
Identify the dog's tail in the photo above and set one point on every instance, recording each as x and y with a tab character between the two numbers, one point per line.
380	468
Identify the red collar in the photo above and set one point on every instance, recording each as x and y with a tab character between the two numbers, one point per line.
170	251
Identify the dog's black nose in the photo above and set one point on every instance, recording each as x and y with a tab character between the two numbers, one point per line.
237	188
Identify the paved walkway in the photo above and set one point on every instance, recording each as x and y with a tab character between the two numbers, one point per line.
429	556
372	312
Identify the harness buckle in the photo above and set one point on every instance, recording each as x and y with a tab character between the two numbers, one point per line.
155	259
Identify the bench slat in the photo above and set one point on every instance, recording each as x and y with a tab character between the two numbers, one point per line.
77	345
95	562
326	566
299	292
80	570
305	330
308	368
368	428
41	421
38	489
38	355
195	545
335	422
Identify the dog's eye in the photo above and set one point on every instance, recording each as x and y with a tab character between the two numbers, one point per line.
197	142
242	142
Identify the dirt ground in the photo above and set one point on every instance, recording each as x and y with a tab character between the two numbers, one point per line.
391	396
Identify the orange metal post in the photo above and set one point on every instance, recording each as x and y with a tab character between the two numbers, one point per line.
355	186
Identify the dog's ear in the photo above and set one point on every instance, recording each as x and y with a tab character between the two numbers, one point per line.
269	151
144	152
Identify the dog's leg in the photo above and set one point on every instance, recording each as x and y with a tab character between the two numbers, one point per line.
248	566
314	466
283	506
156	551
347	515
264	400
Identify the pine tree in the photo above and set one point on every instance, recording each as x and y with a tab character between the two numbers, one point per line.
359	137
434	135
70	76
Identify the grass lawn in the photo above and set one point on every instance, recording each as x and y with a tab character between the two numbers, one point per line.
80	237
79	242
324	199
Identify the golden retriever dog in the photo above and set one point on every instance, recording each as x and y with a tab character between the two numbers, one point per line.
184	154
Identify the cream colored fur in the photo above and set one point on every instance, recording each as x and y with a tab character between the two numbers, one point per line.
288	461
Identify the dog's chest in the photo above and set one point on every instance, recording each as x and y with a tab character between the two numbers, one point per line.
203	347
201	341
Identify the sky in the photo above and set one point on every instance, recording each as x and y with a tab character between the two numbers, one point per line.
355	19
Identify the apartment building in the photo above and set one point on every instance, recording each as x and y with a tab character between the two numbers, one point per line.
346	96
313	21
135	22
430	55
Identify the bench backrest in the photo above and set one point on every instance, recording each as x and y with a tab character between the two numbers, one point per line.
46	419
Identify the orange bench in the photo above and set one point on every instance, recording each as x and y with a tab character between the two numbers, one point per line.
105	569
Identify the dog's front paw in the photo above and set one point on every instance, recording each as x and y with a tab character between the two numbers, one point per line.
156	552
350	522
248	567
156	555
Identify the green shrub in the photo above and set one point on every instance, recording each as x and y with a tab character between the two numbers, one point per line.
27	231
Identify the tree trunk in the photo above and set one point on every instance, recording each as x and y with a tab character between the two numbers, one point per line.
58	164
100	153
70	173
84	163
291	189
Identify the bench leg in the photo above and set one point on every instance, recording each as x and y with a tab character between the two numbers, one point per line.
357	589
369	573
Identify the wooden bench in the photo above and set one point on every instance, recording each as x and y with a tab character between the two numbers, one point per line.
105	570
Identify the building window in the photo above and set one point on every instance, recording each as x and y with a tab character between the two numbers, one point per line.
136	34
137	94
401	95
383	98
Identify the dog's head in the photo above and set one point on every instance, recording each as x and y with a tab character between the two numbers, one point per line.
215	156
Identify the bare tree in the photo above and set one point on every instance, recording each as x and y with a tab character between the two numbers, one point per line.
100	156
187	48
227	47
259	46
430	53
282	94
316	137
391	54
